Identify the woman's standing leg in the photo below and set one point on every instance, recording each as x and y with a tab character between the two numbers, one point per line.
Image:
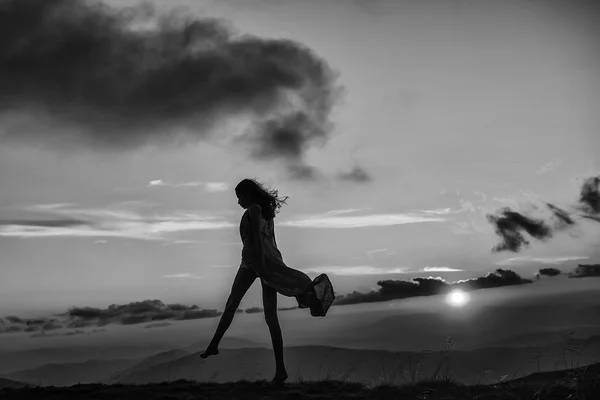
242	282
270	307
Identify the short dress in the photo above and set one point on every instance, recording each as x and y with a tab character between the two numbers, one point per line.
285	280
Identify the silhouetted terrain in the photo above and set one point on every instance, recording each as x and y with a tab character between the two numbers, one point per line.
583	383
7	383
313	363
70	374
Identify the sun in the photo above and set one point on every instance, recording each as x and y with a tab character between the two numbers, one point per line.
457	298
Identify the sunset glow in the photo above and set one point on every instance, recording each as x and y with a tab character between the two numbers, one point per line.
457	298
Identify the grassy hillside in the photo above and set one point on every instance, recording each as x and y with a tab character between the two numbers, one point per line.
571	384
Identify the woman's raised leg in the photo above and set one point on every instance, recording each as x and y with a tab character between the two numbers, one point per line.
242	282
270	307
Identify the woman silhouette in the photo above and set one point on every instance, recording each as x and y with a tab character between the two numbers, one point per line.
261	258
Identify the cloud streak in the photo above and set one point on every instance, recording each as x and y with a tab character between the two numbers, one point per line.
441	269
540	260
356	270
336	221
209	187
116	223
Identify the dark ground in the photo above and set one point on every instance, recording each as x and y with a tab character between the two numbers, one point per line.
567	387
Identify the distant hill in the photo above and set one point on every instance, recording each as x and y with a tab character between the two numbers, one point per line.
160	358
544	338
16	360
70	374
317	362
227	342
313	363
7	383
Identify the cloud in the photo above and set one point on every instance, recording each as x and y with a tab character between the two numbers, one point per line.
401	289
157	182
356	270
539	260
334	221
183	275
209	187
110	222
16	324
549	272
77	74
586	271
356	174
136	313
441	269
589	197
440	211
510	225
56	223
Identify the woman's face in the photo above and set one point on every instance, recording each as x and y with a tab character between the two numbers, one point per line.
243	200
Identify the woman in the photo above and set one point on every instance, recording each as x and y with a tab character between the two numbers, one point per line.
261	258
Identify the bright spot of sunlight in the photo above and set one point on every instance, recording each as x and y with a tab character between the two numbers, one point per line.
457	298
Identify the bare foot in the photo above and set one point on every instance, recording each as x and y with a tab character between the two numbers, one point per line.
209	352
279	378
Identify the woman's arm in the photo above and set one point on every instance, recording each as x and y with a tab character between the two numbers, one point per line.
255	213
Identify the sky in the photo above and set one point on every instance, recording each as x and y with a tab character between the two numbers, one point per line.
417	120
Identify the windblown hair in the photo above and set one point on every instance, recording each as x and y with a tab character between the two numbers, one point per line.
267	199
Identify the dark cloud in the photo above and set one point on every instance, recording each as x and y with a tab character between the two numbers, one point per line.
510	224
16	324
136	313
563	217
90	76
56	223
15	320
356	174
430	286
585	271
51	325
549	272
498	278
589	198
